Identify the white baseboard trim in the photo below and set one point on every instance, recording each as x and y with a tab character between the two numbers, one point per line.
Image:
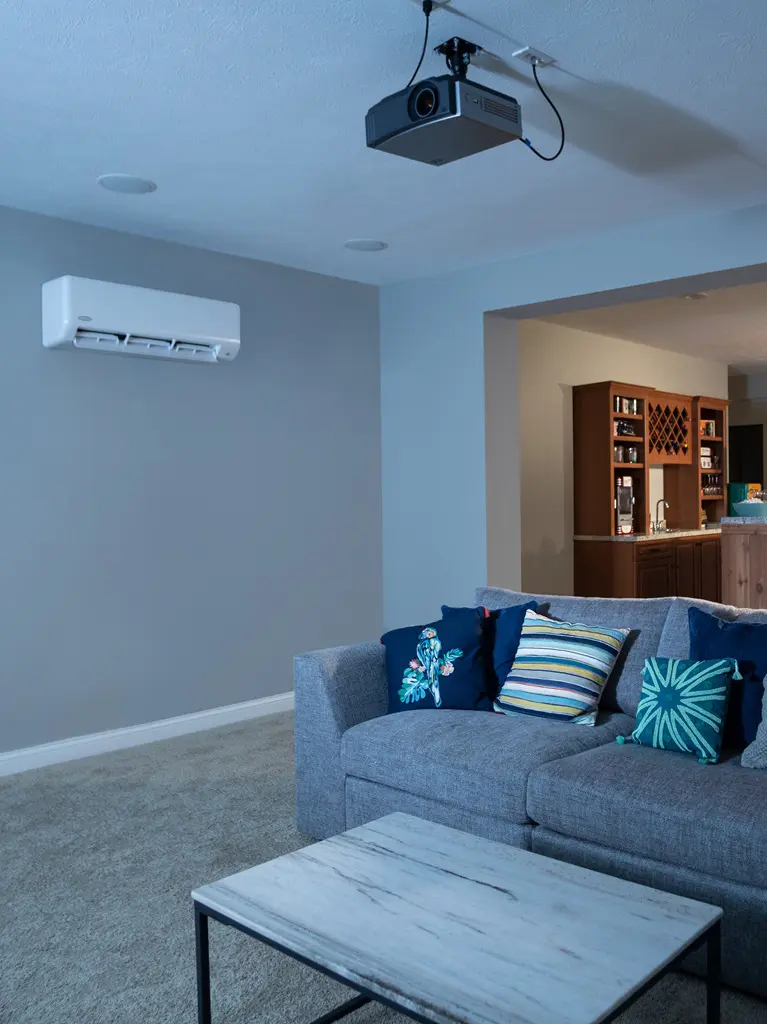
22	760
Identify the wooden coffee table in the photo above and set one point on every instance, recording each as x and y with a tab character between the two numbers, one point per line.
446	927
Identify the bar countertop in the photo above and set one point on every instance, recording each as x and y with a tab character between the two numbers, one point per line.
640	538
744	521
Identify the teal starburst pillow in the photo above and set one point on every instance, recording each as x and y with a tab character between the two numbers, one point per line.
683	706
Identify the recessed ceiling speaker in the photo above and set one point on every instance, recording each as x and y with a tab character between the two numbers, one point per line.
366	245
127	184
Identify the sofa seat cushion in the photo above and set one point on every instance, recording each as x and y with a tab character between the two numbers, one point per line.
467	759
645	618
660	805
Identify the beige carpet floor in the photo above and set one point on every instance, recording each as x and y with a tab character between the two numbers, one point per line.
98	858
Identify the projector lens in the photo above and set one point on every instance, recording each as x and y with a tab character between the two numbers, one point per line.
424	102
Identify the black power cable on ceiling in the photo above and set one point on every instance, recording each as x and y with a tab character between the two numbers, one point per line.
428	6
550	102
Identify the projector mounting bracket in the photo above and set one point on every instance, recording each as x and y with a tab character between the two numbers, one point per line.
458	53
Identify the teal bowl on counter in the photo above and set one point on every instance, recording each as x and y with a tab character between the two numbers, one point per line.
750	509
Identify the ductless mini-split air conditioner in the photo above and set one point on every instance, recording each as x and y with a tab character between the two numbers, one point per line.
105	317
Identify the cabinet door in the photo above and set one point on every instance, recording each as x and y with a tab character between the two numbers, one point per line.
655	578
686	574
710	569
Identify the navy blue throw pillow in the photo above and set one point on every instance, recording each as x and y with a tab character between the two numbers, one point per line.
501	633
439	665
508	632
448	609
488	620
710	638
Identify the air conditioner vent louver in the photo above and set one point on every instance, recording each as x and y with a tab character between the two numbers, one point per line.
94	339
101	342
148	344
503	110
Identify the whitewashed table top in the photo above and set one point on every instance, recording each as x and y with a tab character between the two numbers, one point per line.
461	929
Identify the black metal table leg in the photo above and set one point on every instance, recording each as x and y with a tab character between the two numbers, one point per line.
203	975
714	975
203	966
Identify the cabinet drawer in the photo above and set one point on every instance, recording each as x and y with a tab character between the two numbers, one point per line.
654	551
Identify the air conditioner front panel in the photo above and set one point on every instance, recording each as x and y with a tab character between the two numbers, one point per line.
144	321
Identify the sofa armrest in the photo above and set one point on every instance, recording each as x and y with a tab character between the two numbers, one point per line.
334	690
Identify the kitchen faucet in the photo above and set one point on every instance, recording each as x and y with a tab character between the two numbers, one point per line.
658	521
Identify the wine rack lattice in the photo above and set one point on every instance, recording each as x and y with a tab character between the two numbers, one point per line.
668	432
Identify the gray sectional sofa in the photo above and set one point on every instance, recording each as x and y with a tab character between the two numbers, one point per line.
565	791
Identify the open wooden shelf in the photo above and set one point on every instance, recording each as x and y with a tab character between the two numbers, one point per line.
710	409
595	468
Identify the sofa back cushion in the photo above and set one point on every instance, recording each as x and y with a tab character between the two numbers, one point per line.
675	638
645	619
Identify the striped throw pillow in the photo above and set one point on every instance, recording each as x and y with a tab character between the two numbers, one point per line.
560	670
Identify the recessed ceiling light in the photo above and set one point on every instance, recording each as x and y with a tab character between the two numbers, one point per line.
366	244
128	184
694	296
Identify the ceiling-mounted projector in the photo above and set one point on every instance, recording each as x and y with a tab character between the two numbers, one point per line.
447	118
443	119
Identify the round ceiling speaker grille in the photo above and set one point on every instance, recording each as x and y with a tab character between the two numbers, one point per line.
365	245
127	184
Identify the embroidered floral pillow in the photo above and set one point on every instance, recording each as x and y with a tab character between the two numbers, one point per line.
438	665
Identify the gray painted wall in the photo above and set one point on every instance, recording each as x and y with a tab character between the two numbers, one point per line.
433	426
172	535
503	454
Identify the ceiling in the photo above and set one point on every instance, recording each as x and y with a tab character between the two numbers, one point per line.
249	115
728	326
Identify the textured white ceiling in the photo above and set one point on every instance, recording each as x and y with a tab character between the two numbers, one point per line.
729	326
249	114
